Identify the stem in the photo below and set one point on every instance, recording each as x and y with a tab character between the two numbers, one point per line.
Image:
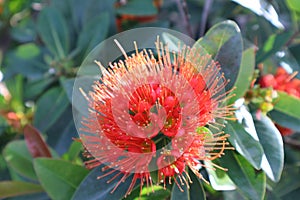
292	143
206	8
183	10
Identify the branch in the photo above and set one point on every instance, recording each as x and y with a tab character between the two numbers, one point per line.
183	10
206	8
292	143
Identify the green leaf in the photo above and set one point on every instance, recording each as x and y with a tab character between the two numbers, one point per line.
249	182
288	182
18	188
224	42
288	105
74	150
271	141
195	192
245	75
218	178
83	11
245	144
53	30
285	120
273	44
137	8
293	5
59	178
37	87
49	108
148	194
93	188
92	34
19	159
26	59
68	85
262	8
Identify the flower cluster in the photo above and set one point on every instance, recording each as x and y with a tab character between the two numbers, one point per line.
151	111
282	81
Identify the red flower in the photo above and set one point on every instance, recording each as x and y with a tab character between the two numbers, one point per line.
149	114
282	81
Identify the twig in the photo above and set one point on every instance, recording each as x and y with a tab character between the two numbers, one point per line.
290	41
292	143
206	8
183	9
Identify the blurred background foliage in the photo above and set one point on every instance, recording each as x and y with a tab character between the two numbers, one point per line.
42	45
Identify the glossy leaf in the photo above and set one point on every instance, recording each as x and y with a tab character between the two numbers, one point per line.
273	44
18	188
218	178
35	143
245	74
59	178
288	105
249	182
93	188
53	30
224	42
262	8
271	141
49	108
19	159
285	120
137	8
245	144
195	192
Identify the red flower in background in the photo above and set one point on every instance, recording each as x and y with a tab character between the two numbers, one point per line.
282	81
147	111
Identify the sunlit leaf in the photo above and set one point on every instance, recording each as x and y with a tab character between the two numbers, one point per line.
271	141
262	8
288	105
218	178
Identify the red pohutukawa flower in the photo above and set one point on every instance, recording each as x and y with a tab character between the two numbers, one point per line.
282	81
150	111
